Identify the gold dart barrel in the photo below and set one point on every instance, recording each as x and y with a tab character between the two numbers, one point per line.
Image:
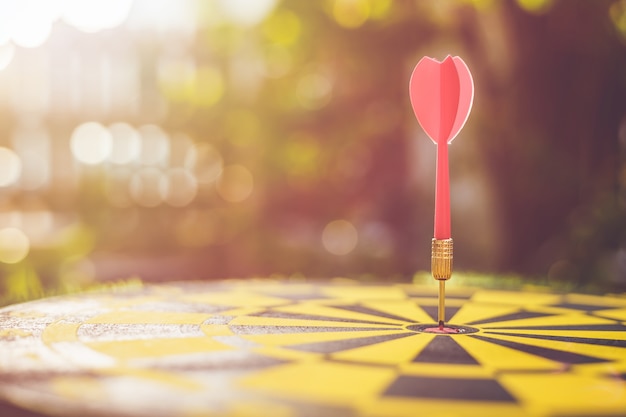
441	259
441	267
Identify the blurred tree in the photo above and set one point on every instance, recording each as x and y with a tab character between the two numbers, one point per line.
332	136
554	144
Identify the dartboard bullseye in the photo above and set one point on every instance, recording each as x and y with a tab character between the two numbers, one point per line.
263	348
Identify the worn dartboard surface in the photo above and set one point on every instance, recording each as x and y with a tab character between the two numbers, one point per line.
262	348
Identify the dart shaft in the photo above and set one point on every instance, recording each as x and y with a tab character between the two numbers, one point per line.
442	194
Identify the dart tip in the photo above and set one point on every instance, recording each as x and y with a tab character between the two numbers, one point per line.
442	303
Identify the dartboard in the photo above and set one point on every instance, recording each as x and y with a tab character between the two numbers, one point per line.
340	348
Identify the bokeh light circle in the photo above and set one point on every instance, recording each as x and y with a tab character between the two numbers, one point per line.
278	61
32	32
207	163
340	237
95	15
7	51
10	167
36	170
155	145
245	12
14	245
126	143
314	91
146	187
235	184
535	6
181	187
283	27
91	143
351	13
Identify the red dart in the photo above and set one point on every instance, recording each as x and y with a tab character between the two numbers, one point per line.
441	95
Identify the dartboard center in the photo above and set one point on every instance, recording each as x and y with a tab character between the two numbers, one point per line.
448	329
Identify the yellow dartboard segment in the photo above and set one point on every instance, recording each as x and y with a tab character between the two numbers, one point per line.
252	348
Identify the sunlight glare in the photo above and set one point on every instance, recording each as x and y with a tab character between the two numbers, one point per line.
246	12
91	143
95	15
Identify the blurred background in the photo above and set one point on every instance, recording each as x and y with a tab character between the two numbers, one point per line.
189	139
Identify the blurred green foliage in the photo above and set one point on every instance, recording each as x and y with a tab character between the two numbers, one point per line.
311	104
